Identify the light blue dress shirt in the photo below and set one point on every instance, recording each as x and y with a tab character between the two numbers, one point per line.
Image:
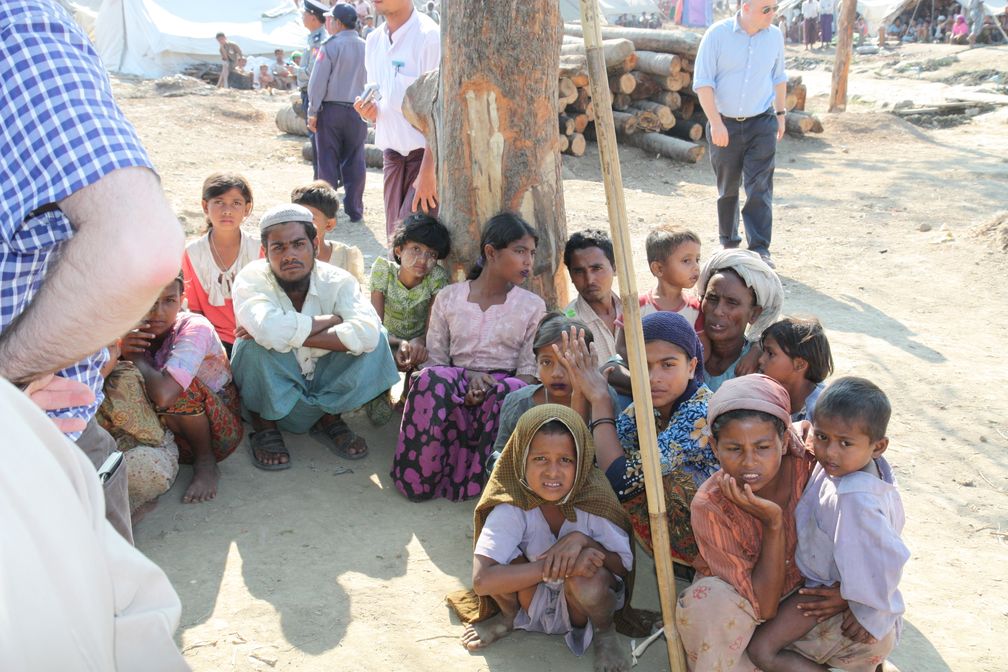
742	69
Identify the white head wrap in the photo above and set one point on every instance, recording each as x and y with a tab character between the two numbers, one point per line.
757	276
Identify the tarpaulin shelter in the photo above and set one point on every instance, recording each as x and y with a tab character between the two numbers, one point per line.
153	38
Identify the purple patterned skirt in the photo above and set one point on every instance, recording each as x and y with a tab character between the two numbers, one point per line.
444	444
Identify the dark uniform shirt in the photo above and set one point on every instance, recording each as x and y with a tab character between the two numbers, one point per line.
315	40
338	74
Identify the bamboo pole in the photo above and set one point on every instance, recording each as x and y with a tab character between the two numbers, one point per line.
842	60
612	178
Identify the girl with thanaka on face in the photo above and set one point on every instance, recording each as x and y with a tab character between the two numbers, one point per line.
210	262
797	355
679	397
552	545
403	287
740	296
479	345
188	379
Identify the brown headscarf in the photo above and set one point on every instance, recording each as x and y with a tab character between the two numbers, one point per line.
507	485
756	392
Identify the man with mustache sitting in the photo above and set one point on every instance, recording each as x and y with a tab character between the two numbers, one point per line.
309	346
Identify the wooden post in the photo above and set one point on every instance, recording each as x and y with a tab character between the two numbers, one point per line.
491	114
841	64
612	178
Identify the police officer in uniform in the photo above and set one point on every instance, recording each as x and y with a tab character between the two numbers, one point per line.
313	18
337	78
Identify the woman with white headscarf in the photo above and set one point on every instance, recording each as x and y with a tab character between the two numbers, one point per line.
740	297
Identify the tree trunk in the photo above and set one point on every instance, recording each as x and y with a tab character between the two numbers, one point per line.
680	42
624	83
687	129
568	92
656	63
664	114
288	121
841	64
616	51
577	145
621	102
664	145
670	99
491	114
625	122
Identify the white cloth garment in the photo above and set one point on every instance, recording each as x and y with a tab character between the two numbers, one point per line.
216	282
74	595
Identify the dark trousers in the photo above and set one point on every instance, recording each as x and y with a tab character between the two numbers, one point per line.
339	139
747	160
311	136
98	444
399	173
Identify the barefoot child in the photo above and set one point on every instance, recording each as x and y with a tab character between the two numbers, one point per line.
673	256
211	262
187	377
797	355
403	289
479	345
552	547
849	521
323	202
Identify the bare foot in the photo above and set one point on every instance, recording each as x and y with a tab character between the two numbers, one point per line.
203	487
485	633
611	655
143	510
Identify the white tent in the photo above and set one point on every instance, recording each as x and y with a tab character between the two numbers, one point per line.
153	38
570	10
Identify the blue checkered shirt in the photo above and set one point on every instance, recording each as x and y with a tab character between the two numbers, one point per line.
60	131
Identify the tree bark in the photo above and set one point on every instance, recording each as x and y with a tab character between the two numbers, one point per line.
841	63
665	118
687	129
656	63
625	122
680	42
623	83
491	114
670	99
664	145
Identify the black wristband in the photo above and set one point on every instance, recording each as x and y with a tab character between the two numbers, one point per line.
601	421
781	113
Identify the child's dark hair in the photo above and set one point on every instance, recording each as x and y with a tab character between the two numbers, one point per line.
855	399
180	279
663	241
805	338
582	240
553	428
744	414
424	229
500	231
319	195
219	184
220	35
552	325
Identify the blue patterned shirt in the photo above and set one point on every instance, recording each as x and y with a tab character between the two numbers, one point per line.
60	131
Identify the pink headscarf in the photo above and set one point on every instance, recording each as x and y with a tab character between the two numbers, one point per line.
756	392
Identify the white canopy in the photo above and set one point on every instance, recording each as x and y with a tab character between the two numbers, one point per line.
153	38
570	10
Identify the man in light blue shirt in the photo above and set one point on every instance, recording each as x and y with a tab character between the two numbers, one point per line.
740	81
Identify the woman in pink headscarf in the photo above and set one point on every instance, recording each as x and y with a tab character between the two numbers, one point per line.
960	31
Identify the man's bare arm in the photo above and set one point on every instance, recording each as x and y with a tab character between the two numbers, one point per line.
126	247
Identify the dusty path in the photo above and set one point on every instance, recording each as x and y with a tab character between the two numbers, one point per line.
311	569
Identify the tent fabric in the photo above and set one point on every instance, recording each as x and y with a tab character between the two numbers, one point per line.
880	12
570	10
153	38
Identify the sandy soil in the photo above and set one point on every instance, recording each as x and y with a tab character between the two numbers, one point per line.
877	234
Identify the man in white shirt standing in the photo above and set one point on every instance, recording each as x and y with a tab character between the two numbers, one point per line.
826	10
810	26
407	45
310	345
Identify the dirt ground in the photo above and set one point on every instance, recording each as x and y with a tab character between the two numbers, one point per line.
884	230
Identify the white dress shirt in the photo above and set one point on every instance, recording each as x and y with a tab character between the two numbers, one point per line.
267	314
394	62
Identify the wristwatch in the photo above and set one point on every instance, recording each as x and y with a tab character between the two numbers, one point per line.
780	113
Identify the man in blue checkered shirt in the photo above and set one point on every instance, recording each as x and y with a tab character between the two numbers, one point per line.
87	239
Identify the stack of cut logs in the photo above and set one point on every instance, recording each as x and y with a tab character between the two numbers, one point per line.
650	80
